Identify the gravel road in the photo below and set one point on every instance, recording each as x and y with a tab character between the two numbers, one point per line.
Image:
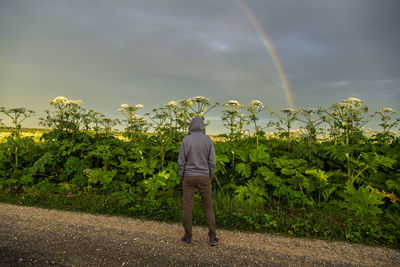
39	237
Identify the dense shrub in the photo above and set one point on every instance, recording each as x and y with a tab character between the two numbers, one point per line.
342	185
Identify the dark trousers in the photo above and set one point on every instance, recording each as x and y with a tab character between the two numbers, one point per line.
203	184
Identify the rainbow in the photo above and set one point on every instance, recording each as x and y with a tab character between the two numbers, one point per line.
271	50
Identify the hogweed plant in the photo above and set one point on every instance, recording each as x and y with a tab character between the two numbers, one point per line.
233	119
66	118
286	120
201	105
386	116
173	112
95	118
86	121
160	118
17	116
135	125
347	118
312	119
184	115
107	124
254	108
100	122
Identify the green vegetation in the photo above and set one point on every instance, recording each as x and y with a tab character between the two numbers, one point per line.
342	187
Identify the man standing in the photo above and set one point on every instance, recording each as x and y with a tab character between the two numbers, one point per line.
196	168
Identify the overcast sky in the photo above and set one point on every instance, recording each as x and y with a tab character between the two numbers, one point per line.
152	51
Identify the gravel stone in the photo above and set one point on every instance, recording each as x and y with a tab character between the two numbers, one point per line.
32	236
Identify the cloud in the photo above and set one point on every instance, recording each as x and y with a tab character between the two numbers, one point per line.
106	52
337	84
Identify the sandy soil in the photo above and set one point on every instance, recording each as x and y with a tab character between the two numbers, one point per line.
39	237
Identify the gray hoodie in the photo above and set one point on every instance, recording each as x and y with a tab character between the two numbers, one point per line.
197	154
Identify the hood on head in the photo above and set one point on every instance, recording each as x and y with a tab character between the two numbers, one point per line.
197	125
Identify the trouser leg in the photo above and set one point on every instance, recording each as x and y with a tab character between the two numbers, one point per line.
188	194
204	186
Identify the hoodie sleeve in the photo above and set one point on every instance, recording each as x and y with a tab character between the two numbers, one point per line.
211	160
182	160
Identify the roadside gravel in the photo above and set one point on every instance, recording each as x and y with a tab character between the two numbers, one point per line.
39	237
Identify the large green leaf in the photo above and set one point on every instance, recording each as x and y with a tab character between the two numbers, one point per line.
243	169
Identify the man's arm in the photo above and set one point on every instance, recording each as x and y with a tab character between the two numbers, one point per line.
211	161
182	161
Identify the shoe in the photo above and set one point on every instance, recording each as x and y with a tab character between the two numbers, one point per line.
186	240
213	241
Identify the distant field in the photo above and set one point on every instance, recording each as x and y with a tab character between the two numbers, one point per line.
36	133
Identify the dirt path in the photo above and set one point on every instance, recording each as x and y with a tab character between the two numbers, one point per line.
33	236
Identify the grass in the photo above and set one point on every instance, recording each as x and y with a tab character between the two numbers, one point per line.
232	214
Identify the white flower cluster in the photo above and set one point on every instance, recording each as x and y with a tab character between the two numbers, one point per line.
74	102
309	110
288	110
386	110
129	108
63	101
185	102
353	100
58	99
171	104
342	105
256	105
234	103
200	99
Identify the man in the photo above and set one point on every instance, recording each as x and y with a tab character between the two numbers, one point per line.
196	168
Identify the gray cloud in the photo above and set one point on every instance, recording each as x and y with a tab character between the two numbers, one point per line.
149	52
